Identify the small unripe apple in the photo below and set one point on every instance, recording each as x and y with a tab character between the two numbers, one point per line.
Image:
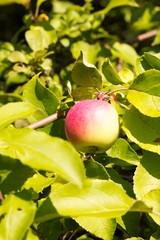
92	126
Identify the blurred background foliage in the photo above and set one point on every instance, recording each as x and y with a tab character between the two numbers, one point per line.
46	36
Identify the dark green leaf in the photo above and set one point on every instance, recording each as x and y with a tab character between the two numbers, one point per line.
110	73
153	60
85	74
40	97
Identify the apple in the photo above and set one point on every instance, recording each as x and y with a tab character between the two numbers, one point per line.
92	126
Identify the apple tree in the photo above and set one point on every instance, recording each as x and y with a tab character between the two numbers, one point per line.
80	120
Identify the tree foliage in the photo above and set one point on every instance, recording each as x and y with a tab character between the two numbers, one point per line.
61	53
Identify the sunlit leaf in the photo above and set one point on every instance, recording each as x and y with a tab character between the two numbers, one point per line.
148	82
17	56
101	227
147	104
147	174
37	182
97	198
113	4
17	215
123	151
142	130
13	111
40	151
38	38
90	51
125	52
152	199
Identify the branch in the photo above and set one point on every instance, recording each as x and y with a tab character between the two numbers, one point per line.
45	121
143	36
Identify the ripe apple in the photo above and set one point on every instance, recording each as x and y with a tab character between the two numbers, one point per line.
92	126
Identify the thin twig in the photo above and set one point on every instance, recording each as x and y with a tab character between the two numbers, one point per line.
143	36
45	121
1	196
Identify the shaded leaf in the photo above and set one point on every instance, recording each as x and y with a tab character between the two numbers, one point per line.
110	73
40	151
40	97
85	74
153	60
82	93
95	170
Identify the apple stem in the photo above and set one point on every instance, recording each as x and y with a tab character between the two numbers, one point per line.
45	121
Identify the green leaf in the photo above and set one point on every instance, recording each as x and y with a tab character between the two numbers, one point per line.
126	75
141	65
90	51
142	130
95	170
147	104
38	38
148	82
2	2
16	176
40	97
123	151
97	198
130	223
50	230
152	199
82	93
101	227
113	4
134	238
85	74
40	151
37	182
31	235
13	111
110	73
153	60
124	51
149	168
17	56
17	214
46	211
